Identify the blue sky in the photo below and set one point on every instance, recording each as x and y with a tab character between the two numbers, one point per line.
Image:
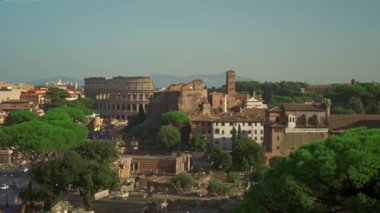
317	41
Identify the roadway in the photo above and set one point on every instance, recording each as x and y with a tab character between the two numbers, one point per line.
9	176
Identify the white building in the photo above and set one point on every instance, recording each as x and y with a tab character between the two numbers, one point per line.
254	102
251	122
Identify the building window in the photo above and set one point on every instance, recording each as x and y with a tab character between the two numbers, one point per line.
243	132
255	138
261	131
249	131
231	132
222	132
262	138
255	132
135	167
216	131
278	138
231	124
222	123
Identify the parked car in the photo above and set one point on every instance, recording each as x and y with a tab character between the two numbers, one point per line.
4	186
14	185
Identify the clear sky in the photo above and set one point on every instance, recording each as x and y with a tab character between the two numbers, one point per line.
317	41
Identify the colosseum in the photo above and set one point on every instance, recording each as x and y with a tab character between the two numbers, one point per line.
119	97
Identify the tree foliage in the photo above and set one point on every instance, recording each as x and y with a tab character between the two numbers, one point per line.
217	187
184	181
56	97
220	158
40	138
98	151
19	116
339	174
82	104
168	136
233	177
175	118
36	139
65	113
135	121
360	98
347	99
88	176
198	142
248	155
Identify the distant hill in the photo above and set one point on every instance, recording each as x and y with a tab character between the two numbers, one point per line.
160	80
64	79
215	80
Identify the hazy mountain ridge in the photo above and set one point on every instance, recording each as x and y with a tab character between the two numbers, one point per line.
160	80
210	80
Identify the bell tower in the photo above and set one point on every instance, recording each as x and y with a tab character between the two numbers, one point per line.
230	84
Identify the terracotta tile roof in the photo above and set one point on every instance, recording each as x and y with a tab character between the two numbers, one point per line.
302	107
202	118
247	115
338	122
16	104
275	109
278	125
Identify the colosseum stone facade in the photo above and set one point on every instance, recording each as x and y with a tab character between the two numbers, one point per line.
119	97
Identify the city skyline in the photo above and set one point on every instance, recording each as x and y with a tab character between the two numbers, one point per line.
310	41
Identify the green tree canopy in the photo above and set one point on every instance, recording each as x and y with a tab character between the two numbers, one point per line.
198	142
339	174
248	155
233	177
217	187
99	151
83	104
65	113
56	114
134	122
88	176
36	139
220	158
184	181
77	115
175	118
19	116
56	97
169	136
